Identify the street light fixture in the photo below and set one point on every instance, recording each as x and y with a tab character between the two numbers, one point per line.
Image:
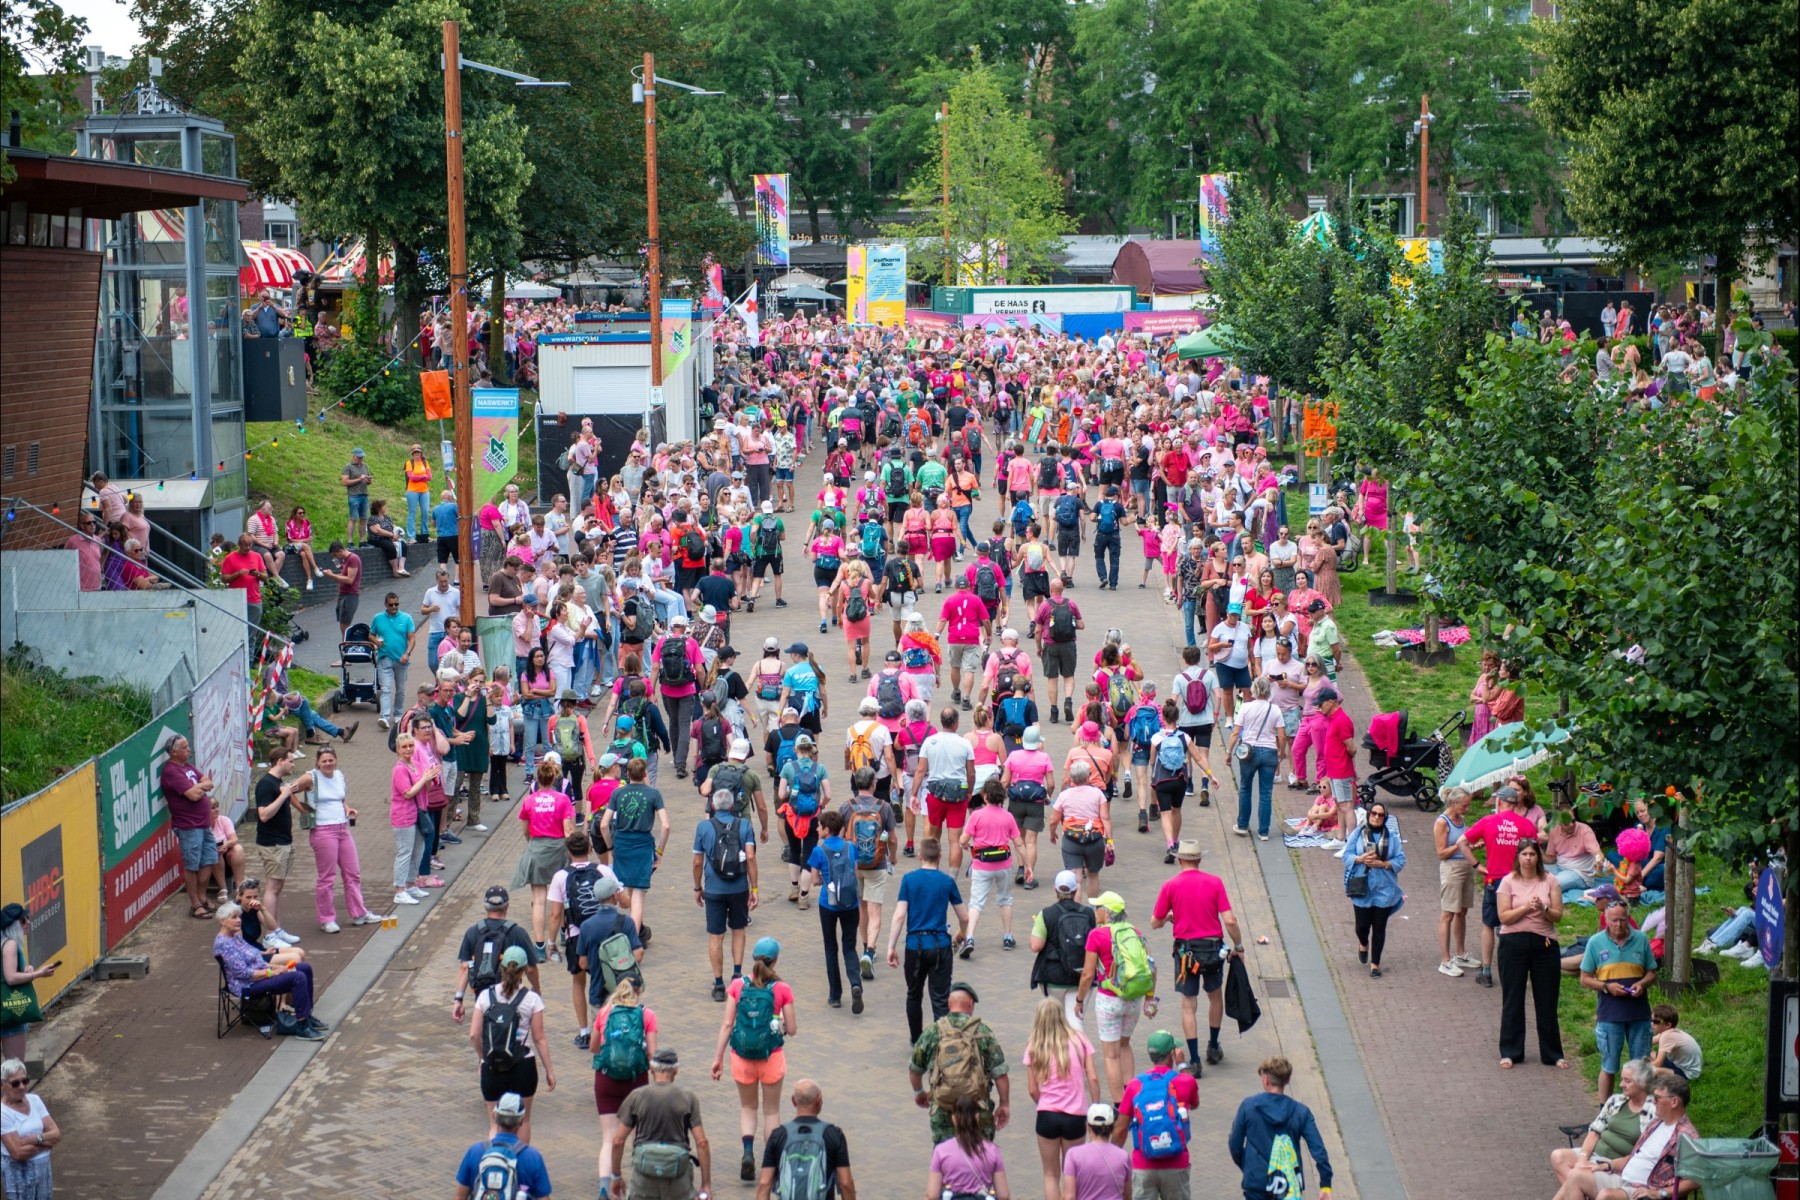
942	117
643	91
452	63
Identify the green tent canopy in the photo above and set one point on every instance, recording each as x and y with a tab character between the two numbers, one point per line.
1212	342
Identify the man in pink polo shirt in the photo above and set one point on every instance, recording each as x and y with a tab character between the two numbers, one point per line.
678	668
959	624
1499	835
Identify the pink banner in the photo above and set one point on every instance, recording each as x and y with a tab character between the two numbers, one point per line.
924	318
1162	322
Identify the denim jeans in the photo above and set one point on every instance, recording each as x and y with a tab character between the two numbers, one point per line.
310	720
418	513
1567	878
1258	769
1187	620
1107	544
587	666
390	677
537	732
962	512
428	838
1733	929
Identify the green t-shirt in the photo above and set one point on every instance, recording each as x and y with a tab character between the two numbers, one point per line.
932	474
756	541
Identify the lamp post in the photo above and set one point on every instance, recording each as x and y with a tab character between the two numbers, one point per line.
1422	130
456	235
643	91
943	120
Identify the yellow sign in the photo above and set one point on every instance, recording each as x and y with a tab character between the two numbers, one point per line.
50	863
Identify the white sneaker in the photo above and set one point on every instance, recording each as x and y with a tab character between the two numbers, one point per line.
1755	963
1706	947
418	893
309	586
280	943
1742	950
366	919
330	927
1332	844
1293	780
1450	969
405	898
1464	960
287	937
476	828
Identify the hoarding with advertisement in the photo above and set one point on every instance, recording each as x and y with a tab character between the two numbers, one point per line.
856	284
885	283
50	863
219	714
496	414
1024	301
137	844
1214	211
1161	322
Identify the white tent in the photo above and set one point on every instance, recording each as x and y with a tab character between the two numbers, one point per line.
524	289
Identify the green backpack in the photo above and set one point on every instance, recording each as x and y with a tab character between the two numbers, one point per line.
623	1055
1133	977
757	1032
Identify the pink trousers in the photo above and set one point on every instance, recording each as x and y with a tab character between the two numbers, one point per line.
1310	737
334	850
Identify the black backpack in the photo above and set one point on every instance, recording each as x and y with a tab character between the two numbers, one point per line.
500	1050
899	576
484	971
987	583
729	777
1064	955
768	539
579	885
673	661
712	741
896	479
728	848
1062	622
1047	473
888	696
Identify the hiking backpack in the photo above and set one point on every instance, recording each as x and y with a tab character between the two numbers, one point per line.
497	1172
768	539
1006	672
500	1049
484	972
672	661
872	535
856	604
785	752
804	1172
693	543
1047	474
1172	757
1068	511
862	745
616	961
727	857
1142	725
1193	693
958	1073
840	877
623	1055
896	479
1160	1127
579	888
568	741
1132	976
888	695
1065	946
987	583
805	793
757	1031
712	741
864	832
1062	622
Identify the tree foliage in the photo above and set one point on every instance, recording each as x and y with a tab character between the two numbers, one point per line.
1005	217
40	48
1682	119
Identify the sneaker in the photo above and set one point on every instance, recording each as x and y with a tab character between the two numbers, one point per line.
309	585
310	1033
1009	942
1169	854
437	864
385	723
856	1003
426	881
822	627
968	948
834	1002
1484	977
1030	885
450	839
1449	967
285	936
1741	951
330	927
718	993
1262	837
866	966
478	827
1465	961
367	919
1332	844
581	1040
1215	1054
1240	830
909	850
793	893
1143	821
781	604
1754	963
399	898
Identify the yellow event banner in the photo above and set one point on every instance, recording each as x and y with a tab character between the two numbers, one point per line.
856	279
50	863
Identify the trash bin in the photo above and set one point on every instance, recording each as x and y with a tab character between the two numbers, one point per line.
1729	1168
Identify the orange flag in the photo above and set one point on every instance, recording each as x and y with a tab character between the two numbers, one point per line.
436	387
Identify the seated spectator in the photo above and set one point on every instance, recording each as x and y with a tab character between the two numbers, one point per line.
248	973
387	538
231	851
249	898
1614	1131
1727	938
1675	1049
133	574
1648	1172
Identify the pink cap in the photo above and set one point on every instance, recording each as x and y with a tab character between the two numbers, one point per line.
1089	731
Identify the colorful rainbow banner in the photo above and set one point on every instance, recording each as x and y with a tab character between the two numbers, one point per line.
772	220
1214	211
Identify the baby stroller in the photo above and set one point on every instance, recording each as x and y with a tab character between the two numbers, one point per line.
357	651
1406	766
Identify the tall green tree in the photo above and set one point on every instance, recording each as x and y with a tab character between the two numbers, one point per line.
40	49
1682	119
346	102
1005	219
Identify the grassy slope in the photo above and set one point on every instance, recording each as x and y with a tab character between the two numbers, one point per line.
53	724
1729	1022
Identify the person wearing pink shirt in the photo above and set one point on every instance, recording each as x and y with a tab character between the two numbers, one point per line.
992	837
549	817
678	671
960	623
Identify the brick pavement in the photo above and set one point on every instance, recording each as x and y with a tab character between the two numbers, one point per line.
1429	1042
399	1056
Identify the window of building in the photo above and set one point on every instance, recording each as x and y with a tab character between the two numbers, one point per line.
1392	213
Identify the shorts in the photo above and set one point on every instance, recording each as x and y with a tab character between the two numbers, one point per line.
1490	905
1059	1126
359	505
1343	791
824	576
687	577
1456	886
1140	755
949	813
1171	792
522	1078
1089	857
896	511
1211	975
198	849
1059	660
1232	677
1620	1040
1201	735
274	862
1117	1018
965	658
901	603
872	886
997	885
1147	1184
730	911
610	1093
1028	816
772	1069
761	566
346	609
572	956
784	474
1034	585
1068	542
1290	720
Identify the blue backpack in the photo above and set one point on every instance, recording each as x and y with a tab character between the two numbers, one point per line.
1143	725
784	752
1160	1128
1068	511
806	787
1021	516
1108	512
840	877
872	544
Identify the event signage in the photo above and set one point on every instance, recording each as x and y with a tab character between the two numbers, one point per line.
220	719
1211	215
50	863
1025	301
1771	916
772	220
856	294
138	851
1781	1070
885	283
496	413
677	334
1161	322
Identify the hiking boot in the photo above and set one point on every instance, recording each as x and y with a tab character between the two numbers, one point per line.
718	992
856	1004
746	1170
1215	1053
793	893
581	1040
967	707
1068	710
1053	717
1485	977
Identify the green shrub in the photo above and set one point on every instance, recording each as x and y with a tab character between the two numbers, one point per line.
1788	341
377	388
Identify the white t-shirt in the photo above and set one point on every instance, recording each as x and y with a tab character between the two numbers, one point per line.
1237	653
879	740
328	799
1258	722
529	1007
1643	1159
448	601
27	1124
1677	362
947	756
1178	689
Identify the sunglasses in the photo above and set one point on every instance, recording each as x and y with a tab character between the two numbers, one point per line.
249	885
18	1083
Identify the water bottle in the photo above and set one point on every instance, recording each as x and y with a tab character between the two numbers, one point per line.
775	1025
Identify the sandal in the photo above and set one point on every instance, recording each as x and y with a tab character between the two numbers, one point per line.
1506	1064
200	912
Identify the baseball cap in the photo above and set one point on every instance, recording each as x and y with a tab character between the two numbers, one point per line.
1161	1042
1234	608
1066	881
768	506
891	656
767	948
608	761
799	648
726	653
771	643
627	723
510	1105
515	956
740	749
1102	1115
805	739
497	897
607	886
1111	901
1327	694
1188	850
678	619
529	598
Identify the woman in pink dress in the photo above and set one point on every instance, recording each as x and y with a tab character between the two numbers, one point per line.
1486	684
943	540
1372	509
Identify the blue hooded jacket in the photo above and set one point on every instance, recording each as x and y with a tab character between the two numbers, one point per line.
1260	1120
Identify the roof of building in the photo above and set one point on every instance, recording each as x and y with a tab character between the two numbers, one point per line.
104	189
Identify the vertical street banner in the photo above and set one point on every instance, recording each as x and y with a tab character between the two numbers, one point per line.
50	863
220	718
856	294
885	283
677	334
772	220
137	845
752	320
714	300
496	413
1214	211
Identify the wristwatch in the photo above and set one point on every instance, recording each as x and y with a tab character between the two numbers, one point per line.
458	997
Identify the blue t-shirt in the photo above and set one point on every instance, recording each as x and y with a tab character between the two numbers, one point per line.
533	1176
706	836
393	629
804	682
597	929
443	516
928	894
817	862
